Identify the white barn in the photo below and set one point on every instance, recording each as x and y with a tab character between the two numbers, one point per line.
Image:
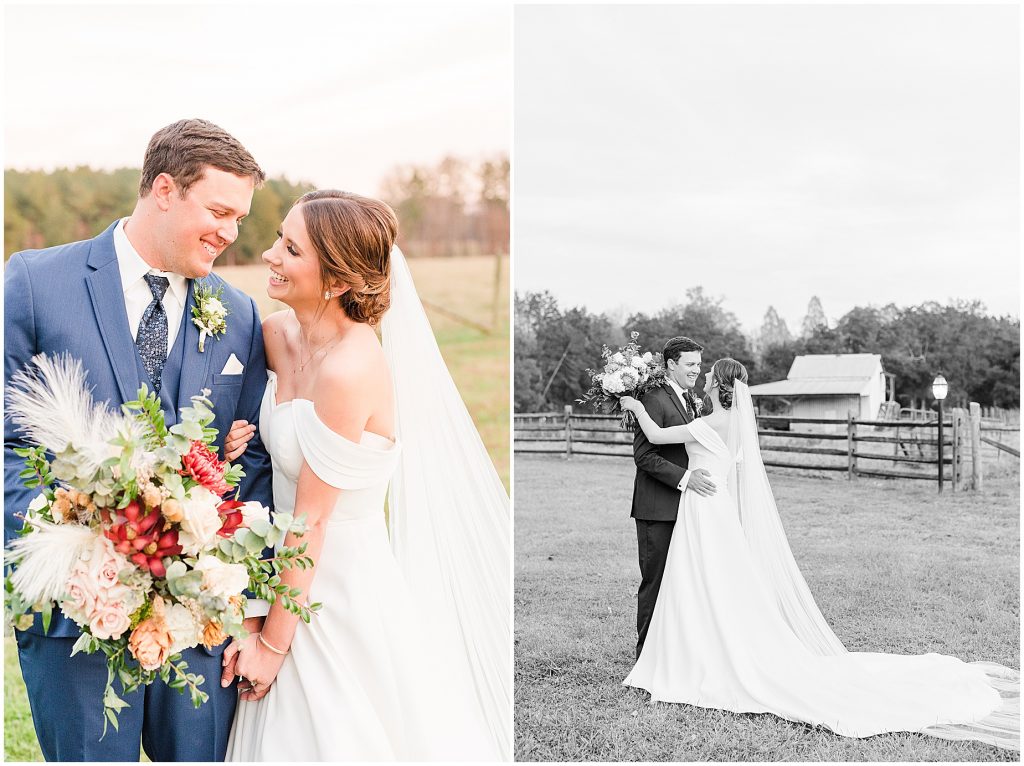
829	386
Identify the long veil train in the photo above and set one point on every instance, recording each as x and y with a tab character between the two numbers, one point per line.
448	510
763	530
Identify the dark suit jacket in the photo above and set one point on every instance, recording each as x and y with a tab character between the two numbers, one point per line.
659	468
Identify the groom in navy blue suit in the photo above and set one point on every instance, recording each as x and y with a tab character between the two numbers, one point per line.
122	303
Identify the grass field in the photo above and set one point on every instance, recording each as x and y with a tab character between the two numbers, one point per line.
478	362
894	566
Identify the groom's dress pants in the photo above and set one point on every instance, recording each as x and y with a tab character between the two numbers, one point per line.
652	538
68	716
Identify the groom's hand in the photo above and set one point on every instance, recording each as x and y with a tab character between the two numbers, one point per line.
700	483
230	656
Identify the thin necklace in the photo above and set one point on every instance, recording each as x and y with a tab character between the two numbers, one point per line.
302	365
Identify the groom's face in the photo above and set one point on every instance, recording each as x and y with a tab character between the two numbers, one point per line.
200	226
685	371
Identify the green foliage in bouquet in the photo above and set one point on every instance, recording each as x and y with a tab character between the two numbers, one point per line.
130	535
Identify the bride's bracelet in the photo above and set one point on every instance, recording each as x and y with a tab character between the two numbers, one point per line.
269	646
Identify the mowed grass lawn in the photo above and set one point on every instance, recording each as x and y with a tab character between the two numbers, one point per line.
893	566
478	362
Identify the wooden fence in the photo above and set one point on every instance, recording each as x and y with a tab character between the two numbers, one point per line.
896	449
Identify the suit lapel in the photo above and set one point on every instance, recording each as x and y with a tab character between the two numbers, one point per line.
107	296
195	366
678	404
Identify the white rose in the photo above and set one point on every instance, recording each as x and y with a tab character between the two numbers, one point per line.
618	358
252	511
648	357
185	632
214	307
637	362
200	523
613	384
220	578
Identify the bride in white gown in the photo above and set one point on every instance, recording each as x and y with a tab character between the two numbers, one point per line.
408	657
736	628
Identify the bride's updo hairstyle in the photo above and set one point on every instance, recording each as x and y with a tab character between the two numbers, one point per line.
724	374
353	236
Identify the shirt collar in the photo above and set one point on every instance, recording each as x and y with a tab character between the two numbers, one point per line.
675	387
133	268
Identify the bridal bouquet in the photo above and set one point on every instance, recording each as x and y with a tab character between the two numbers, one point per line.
131	535
627	371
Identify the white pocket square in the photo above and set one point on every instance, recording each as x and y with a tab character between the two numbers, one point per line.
232	367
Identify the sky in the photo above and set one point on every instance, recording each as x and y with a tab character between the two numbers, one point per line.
336	95
865	154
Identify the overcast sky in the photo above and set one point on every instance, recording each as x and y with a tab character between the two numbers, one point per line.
332	94
866	154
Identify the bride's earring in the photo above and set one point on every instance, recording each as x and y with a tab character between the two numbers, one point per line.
327	295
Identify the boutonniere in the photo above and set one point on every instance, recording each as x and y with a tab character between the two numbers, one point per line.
209	312
698	405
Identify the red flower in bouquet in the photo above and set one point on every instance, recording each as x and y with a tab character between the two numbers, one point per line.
140	536
202	465
232	516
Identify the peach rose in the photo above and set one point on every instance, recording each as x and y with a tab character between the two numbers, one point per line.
150	642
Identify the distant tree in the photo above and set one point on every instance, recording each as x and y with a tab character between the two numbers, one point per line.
814	319
452	207
773	331
563	344
494	204
774	362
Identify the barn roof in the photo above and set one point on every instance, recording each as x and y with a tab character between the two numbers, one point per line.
833	387
835	366
825	375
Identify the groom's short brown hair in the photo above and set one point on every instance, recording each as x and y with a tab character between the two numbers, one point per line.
184	149
679	345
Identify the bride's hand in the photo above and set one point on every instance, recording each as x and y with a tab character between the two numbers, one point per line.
629	404
258	667
237	439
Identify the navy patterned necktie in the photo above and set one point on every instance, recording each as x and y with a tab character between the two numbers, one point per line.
152	336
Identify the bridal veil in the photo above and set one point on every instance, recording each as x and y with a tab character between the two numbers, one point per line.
448	511
763	530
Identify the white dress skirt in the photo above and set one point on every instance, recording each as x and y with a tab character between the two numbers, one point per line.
366	679
718	639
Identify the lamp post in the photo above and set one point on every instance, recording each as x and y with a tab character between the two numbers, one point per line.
939	390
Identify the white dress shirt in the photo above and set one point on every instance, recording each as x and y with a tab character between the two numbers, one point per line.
137	295
679	392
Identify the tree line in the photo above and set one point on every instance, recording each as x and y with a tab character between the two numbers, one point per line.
978	354
453	207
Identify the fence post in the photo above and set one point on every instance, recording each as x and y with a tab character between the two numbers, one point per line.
958	448
851	461
977	469
568	431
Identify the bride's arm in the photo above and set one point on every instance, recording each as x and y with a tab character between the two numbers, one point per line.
656	434
344	404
